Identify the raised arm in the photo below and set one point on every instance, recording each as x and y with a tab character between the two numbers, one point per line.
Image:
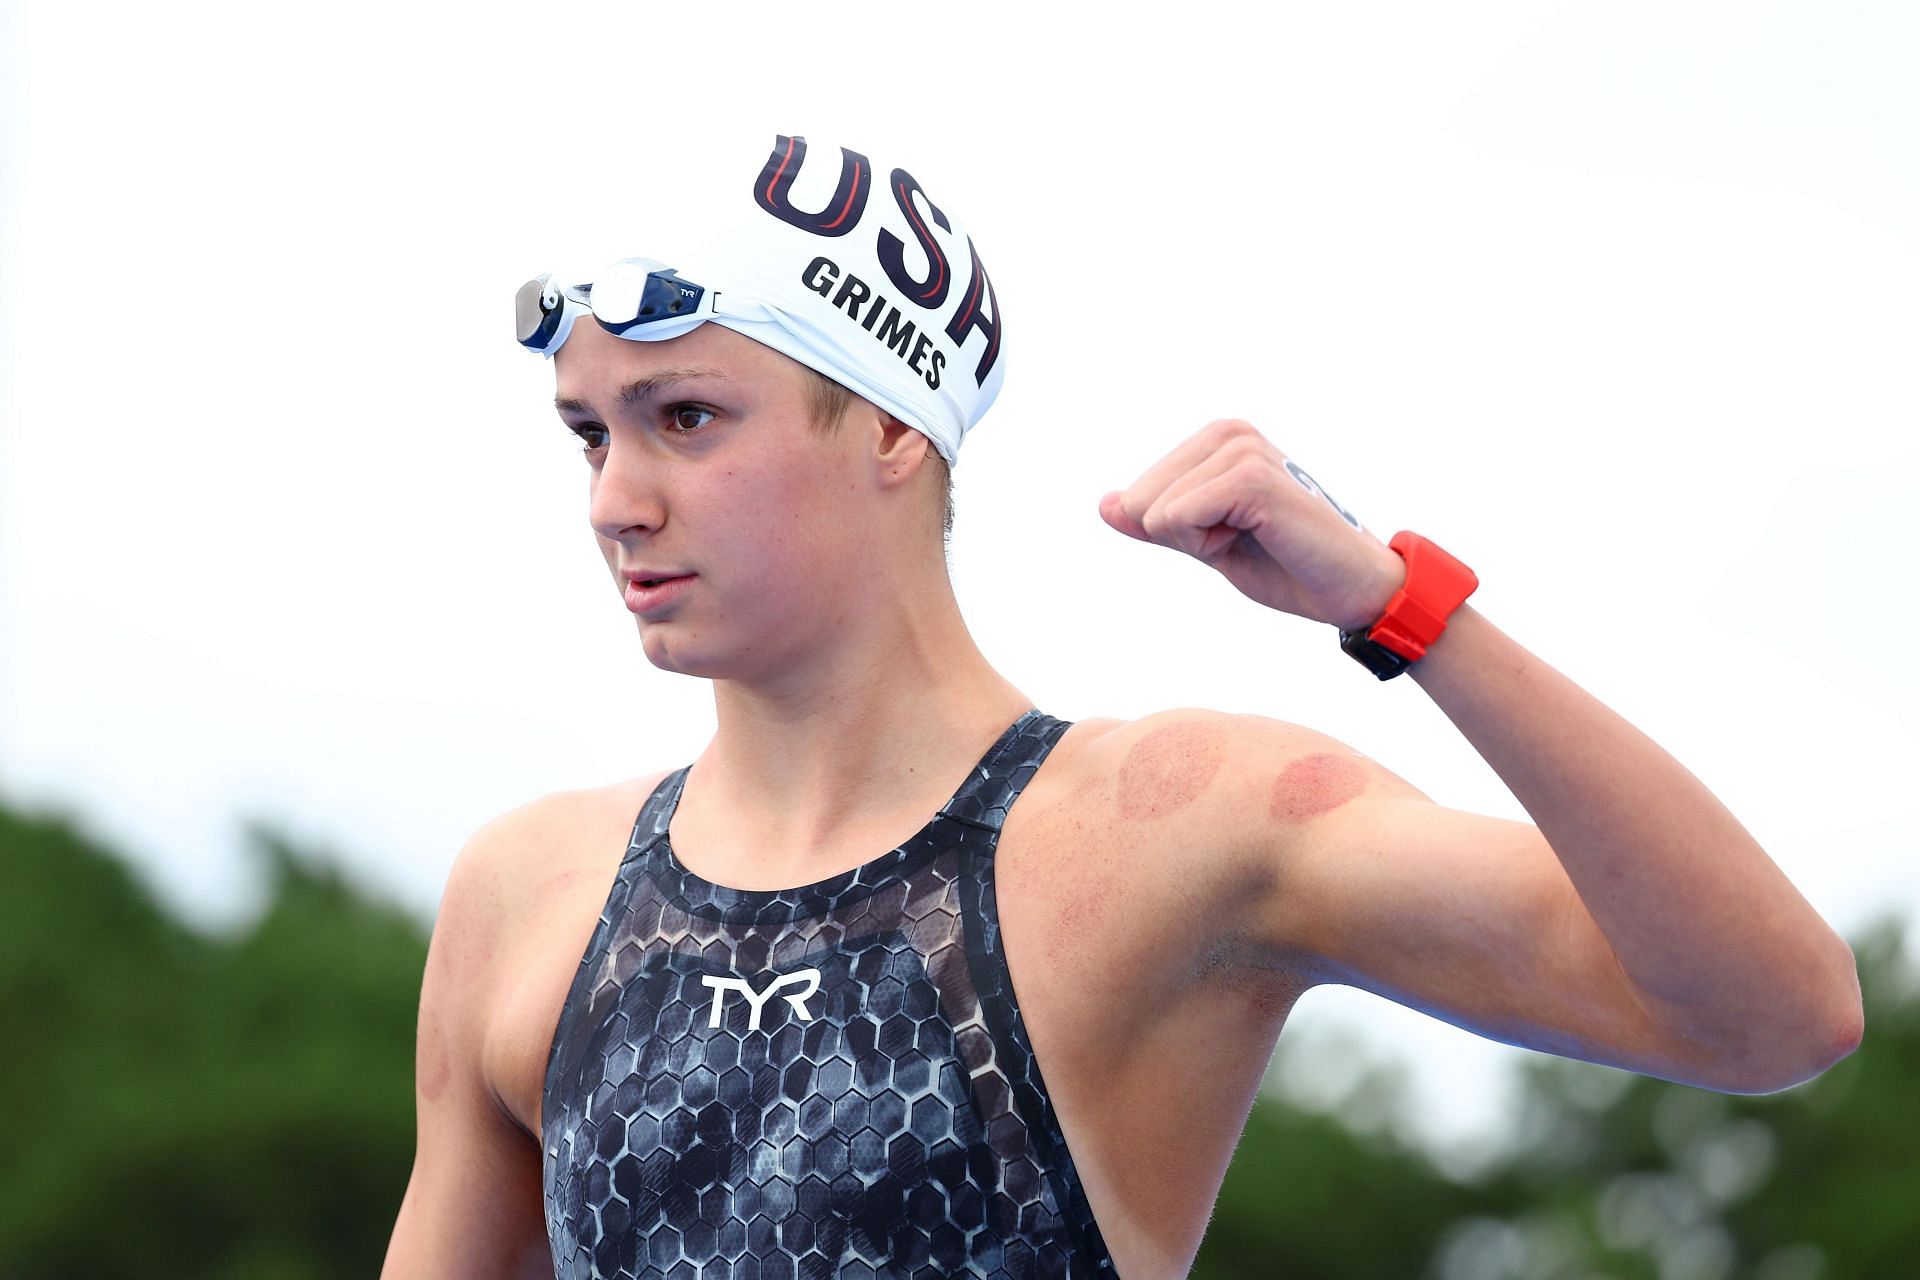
1637	924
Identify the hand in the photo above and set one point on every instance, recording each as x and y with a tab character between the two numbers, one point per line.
1227	497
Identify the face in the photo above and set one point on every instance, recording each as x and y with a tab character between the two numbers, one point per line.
708	467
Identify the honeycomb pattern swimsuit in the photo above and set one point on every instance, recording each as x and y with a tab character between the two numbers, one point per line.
831	1080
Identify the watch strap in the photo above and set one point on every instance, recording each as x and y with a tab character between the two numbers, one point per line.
1436	584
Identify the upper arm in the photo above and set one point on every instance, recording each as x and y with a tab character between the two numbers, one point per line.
1468	918
473	1207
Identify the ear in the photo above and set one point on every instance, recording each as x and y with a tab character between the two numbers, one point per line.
900	450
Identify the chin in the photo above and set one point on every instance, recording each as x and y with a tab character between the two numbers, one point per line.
676	655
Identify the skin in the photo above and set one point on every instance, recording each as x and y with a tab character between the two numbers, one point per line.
1313	785
821	611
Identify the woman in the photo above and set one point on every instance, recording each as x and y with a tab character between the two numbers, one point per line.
784	1022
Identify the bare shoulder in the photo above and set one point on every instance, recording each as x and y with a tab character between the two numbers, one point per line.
525	857
1128	814
1237	766
1231	792
487	884
1166	767
1157	834
542	875
1272	784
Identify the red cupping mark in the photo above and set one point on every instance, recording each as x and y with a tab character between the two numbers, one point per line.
1313	785
1167	768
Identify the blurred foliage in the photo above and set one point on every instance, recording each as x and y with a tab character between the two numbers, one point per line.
193	1106
242	1107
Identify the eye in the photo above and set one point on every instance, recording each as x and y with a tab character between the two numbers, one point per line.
588	445
677	415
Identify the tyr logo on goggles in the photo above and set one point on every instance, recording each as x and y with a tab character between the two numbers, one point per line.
633	294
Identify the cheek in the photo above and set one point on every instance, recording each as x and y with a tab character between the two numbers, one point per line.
775	525
796	514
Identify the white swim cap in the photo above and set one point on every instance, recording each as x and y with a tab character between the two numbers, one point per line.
846	266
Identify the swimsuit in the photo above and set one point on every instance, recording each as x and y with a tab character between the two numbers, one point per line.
827	1081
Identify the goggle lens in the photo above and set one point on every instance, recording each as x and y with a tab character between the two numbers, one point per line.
535	319
639	291
630	293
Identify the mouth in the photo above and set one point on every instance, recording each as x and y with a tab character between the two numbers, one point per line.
644	595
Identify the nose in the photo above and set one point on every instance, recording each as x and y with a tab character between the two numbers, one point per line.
625	494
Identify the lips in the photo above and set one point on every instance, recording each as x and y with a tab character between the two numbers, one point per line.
644	599
649	578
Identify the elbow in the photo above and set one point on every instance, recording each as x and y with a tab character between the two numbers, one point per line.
1856	1032
1843	1028
1819	1056
1851	1028
1847	1016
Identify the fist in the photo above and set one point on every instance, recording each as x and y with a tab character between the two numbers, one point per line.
1232	501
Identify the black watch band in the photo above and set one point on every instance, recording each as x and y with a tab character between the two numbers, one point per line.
1377	658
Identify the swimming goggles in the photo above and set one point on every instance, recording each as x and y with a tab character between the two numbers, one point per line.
635	298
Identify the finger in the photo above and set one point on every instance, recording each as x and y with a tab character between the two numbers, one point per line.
1214	513
1112	512
1138	496
1188	508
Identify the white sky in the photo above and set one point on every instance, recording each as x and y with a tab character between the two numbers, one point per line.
1614	301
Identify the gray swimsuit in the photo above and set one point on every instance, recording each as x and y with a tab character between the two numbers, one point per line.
831	1080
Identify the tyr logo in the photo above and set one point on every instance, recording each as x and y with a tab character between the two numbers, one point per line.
811	977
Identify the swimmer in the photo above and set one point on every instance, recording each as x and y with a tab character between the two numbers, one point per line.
903	975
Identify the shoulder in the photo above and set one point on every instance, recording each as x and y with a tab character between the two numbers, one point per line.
1237	798
1192	805
515	859
1220	786
1232	764
486	873
1276	785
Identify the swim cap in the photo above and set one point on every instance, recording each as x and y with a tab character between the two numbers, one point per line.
849	268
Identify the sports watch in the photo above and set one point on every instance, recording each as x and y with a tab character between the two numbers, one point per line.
1435	586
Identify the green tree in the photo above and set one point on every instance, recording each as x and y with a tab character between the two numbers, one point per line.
194	1106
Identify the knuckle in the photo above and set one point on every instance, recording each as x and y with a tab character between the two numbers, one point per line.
1254	469
1244	447
1232	427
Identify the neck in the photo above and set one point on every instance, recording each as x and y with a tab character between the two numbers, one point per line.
858	742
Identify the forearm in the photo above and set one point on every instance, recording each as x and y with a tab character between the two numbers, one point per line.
1711	932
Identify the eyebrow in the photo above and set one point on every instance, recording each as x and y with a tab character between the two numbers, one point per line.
641	388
